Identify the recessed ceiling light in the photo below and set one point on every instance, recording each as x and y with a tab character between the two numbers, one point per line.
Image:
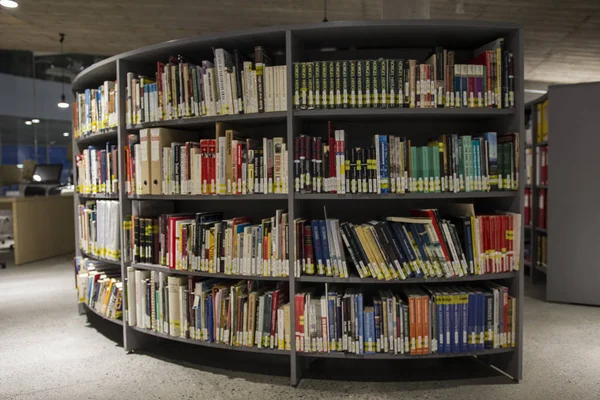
66	134
28	122
35	121
9	3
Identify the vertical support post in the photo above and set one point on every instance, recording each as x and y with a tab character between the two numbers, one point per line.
291	55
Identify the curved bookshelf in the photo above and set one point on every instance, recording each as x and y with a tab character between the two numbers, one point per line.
98	138
355	279
406	196
115	321
100	259
209	197
387	356
301	43
160	268
187	123
98	196
210	344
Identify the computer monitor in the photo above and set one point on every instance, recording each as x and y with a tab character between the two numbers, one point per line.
47	173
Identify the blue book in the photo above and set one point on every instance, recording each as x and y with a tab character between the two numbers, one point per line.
464	332
377	323
338	322
454	323
471	322
457	89
318	247
369	316
441	321
407	250
331	307
361	333
492	140
383	164
420	248
481	319
210	322
325	248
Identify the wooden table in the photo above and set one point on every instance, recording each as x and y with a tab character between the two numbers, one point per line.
43	226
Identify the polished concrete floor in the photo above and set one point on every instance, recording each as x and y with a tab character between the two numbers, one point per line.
48	351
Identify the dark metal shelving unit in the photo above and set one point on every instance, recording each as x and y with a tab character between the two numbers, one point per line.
301	42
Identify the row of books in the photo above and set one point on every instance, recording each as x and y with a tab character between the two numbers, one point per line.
101	291
242	313
542	202
420	320
424	245
541	177
392	164
542	250
206	242
95	110
98	170
99	230
542	121
487	81
232	84
166	161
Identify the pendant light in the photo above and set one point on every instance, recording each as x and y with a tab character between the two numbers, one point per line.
63	102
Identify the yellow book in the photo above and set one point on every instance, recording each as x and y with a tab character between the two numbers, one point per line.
375	272
383	270
540	117
545	120
386	267
475	245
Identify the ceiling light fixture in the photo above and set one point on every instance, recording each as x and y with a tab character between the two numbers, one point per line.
63	102
35	121
28	122
66	134
9	3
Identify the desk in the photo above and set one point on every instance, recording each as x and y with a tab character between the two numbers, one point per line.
43	226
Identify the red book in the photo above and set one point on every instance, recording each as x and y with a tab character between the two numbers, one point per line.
485	60
527	206
171	235
510	238
299	321
485	237
212	166
274	306
308	249
332	151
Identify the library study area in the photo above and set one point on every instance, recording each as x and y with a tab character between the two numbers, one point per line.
322	199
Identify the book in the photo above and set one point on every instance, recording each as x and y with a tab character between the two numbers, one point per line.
99	233
393	164
100	289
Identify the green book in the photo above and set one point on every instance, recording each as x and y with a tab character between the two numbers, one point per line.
296	86
375	83
367	89
383	83
468	161
324	84
425	171
303	86
310	79
399	83
391	80
345	83
414	179
360	83
353	83
434	157
461	165
338	84
331	84
317	85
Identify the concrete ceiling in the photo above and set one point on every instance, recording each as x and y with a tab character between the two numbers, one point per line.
561	37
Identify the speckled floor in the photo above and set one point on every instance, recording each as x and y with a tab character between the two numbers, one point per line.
48	351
